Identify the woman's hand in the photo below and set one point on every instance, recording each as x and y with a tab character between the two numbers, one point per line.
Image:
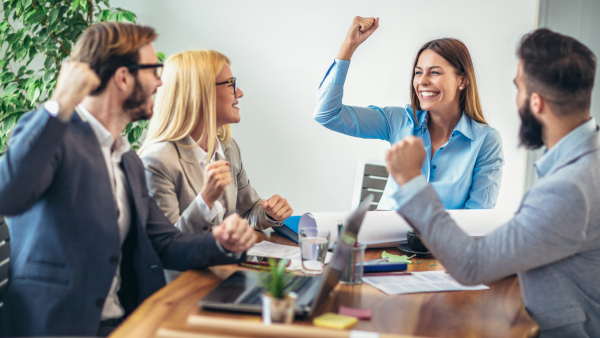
277	207
217	176
235	235
360	30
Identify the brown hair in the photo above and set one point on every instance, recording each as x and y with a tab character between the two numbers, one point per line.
106	46
455	52
560	69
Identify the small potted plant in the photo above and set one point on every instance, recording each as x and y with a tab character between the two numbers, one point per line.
278	302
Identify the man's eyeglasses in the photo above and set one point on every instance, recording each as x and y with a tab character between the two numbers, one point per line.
230	81
158	68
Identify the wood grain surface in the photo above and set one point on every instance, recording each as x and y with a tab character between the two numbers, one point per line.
497	312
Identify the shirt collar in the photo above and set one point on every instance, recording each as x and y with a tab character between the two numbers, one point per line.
201	154
564	147
118	147
463	126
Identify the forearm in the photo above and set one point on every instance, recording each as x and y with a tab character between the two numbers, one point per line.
528	241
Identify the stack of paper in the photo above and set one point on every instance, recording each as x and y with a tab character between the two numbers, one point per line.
426	281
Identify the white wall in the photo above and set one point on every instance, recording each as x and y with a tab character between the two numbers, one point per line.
280	51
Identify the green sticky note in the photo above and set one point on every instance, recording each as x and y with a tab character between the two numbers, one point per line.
396	258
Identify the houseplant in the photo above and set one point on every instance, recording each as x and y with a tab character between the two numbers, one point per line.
36	37
277	301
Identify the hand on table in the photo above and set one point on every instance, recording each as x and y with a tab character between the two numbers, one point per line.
217	177
277	208
234	235
75	81
360	30
405	159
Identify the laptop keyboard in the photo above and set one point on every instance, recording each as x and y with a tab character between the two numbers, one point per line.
298	283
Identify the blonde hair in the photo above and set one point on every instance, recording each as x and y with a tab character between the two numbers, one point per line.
187	95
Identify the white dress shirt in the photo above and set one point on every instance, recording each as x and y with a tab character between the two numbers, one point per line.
113	150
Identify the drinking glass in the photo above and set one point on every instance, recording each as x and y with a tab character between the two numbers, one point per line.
313	248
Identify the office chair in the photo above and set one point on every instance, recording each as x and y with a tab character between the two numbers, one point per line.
4	258
371	177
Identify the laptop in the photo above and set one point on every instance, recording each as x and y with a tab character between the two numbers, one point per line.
241	292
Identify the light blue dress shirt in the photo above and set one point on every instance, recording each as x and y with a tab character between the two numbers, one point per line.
545	164
465	171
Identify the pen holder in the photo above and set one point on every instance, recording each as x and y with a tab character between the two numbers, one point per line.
353	272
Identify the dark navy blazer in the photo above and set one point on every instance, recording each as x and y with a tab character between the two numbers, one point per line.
55	188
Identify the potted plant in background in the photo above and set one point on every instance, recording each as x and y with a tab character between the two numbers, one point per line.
278	302
36	37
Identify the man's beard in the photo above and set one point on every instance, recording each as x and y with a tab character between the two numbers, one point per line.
134	104
530	132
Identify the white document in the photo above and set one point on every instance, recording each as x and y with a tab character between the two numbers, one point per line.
384	229
426	281
269	249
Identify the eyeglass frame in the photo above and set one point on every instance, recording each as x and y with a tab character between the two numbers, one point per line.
146	66
230	81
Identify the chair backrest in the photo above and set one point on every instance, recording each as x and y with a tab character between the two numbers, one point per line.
371	177
4	257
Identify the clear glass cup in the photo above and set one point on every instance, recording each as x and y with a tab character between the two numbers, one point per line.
313	249
353	272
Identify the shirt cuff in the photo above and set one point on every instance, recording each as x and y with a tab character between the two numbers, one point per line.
272	220
408	191
235	255
215	214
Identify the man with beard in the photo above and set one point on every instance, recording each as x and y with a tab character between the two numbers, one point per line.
553	241
88	243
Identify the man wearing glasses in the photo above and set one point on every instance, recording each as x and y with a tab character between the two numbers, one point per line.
88	243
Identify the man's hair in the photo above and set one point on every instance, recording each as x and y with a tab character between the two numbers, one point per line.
107	46
559	68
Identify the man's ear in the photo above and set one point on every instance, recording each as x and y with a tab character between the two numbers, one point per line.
536	104
123	79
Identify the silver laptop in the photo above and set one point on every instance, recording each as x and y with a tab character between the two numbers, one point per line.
241	292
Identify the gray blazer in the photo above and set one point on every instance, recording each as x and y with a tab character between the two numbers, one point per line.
553	243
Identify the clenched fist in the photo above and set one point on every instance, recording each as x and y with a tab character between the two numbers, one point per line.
75	81
217	176
405	159
276	207
235	235
360	30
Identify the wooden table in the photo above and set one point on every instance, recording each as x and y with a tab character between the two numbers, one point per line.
498	312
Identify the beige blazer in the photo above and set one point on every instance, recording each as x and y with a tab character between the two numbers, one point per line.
175	177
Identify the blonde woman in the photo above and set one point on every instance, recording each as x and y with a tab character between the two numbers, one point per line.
194	168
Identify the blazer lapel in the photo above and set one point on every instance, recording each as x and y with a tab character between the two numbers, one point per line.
230	193
136	191
189	163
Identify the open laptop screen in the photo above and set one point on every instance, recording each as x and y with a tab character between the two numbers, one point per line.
341	254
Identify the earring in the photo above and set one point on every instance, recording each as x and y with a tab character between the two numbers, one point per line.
460	87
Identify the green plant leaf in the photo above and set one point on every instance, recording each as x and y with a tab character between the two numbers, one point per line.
26	3
36	95
9	123
75	5
129	16
48	76
106	15
160	56
7	77
21	53
48	62
11	88
53	16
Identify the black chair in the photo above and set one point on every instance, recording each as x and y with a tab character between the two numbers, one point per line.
371	178
4	258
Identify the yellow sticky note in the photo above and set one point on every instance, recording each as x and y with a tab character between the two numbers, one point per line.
335	321
396	258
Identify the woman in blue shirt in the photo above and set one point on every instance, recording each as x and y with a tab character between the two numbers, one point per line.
465	159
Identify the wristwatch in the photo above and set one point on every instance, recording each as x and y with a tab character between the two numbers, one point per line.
53	108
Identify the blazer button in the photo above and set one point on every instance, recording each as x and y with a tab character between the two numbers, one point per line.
100	302
205	228
114	260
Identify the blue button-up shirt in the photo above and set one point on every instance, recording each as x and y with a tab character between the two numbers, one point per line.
564	147
465	171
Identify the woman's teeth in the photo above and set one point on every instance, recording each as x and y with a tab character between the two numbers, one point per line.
426	94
